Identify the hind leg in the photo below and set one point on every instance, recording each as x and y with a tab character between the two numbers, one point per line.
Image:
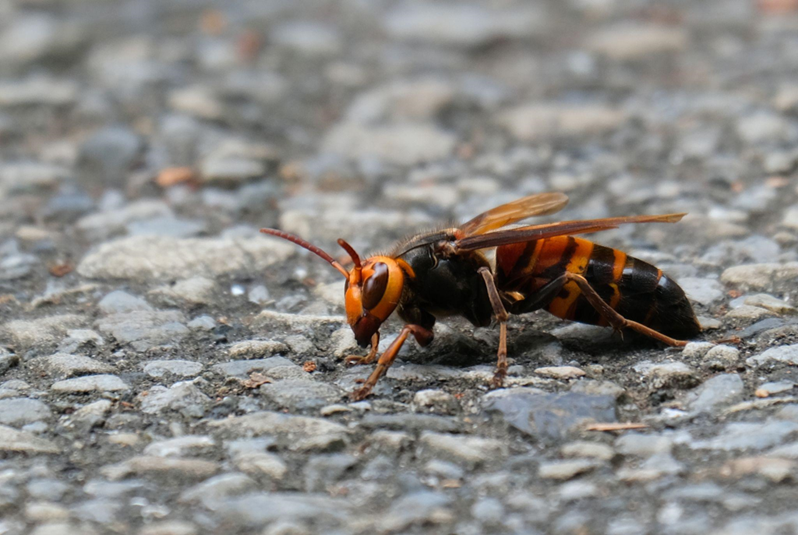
614	319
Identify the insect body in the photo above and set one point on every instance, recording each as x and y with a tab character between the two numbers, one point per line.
542	271
445	273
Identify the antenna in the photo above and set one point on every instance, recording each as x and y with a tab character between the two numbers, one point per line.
313	249
349	249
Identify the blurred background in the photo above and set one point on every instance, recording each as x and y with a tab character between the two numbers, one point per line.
144	142
369	120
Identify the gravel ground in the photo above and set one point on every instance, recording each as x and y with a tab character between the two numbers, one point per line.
166	370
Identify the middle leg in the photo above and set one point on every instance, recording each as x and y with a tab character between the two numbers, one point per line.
501	316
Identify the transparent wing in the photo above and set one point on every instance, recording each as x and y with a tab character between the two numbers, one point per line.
550	230
506	214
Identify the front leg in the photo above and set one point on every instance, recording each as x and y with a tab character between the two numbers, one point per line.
356	360
423	337
501	316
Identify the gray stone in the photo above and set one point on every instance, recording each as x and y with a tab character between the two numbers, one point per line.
195	291
34	37
13	388
722	356
180	446
63	365
42	332
283	425
183	397
202	323
231	169
564	470
748	436
702	291
466	449
655	467
31	176
80	339
788	412
180	368
242	368
259	295
111	149
392	441
150	258
259	348
419	508
760	276
746	312
199	101
585	449
301	393
17	266
12	440
212	491
91	415
401	144
322	471
667	374
257	509
642	445
779	354
411	422
7	361
22	411
414	99
444	469
164	467
598	388
761	127
144	329
768	389
169	527
460	24
549	415
636	42
47	489
166	226
39	512
578	490
259	464
380	468
118	301
98	510
436	399
720	390
767	302
488	510
788	451
90	383
542	120
343	343
111	489
560	372
109	222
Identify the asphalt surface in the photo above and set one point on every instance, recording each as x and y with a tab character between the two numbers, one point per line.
168	370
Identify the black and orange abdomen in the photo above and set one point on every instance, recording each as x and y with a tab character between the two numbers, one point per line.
635	289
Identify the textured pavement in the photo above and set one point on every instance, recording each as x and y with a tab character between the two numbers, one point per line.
166	370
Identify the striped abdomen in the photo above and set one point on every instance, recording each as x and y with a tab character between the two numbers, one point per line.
635	289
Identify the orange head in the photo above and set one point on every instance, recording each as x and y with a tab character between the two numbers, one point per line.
373	287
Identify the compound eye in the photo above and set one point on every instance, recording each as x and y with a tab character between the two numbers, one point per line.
374	286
